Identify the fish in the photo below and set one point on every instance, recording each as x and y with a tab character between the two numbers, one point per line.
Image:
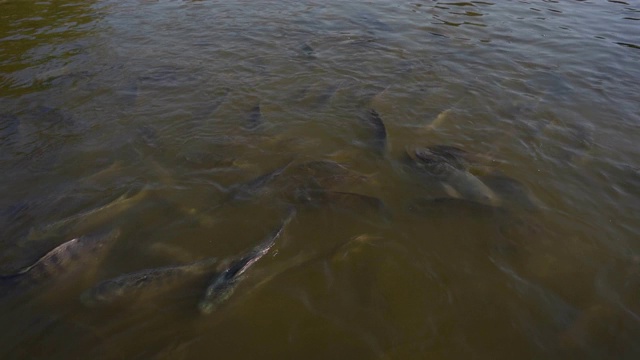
149	135
89	219
512	191
307	50
455	207
73	255
359	204
439	120
254	119
369	20
449	165
470	187
9	127
248	189
207	111
321	174
452	155
224	284
130	93
349	199
144	283
325	96
374	121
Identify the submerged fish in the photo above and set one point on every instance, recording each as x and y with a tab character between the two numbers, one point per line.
149	135
248	189
470	187
448	165
73	255
439	120
307	50
255	118
456	207
512	191
320	174
223	285
9	127
347	199
90	219
373	120
326	94
145	283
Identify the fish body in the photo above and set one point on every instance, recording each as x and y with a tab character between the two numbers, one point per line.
449	165
307	50
9	127
456	207
223	285
89	219
255	118
249	188
470	187
321	174
512	191
74	255
374	121
143	283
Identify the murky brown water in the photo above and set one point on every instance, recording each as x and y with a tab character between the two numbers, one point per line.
159	117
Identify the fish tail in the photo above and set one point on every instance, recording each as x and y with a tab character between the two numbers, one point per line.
205	264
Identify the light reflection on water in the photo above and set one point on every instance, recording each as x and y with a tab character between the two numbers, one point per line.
154	102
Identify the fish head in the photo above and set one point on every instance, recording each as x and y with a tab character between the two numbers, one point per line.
106	292
103	241
212	303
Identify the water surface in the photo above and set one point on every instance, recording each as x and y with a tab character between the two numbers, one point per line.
155	102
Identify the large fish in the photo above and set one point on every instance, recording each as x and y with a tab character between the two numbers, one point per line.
223	285
90	219
73	256
512	191
250	188
374	121
145	283
254	119
318	175
455	207
357	203
449	166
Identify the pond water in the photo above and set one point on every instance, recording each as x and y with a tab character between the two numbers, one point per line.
465	178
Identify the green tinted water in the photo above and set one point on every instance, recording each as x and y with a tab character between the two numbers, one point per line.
139	115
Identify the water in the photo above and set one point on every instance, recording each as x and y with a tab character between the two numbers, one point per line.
154	102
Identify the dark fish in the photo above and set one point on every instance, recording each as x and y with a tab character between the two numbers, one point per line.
223	285
73	255
88	220
449	166
374	121
322	174
9	125
52	116
326	95
207	111
254	119
149	135
511	191
129	94
307	50
145	283
369	20
451	155
357	203
248	189
455	207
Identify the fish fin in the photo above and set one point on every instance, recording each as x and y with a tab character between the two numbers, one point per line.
451	191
